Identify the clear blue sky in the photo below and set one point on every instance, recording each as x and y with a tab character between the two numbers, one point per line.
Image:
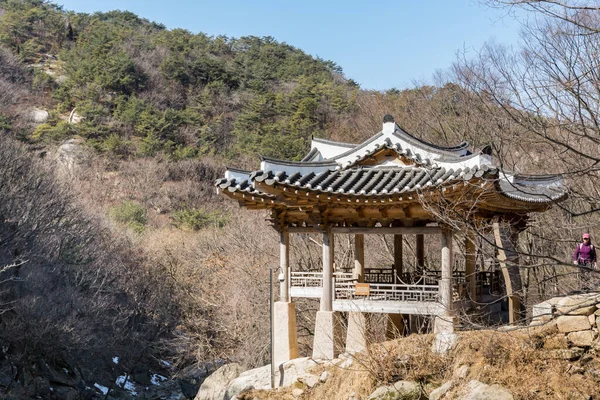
379	44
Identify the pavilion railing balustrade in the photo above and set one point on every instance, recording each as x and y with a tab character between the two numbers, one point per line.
388	292
314	279
406	288
345	288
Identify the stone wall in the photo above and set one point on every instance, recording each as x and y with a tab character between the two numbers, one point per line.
570	324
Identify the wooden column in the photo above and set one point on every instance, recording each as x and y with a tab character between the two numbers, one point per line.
398	264
420	244
359	258
447	262
327	297
284	264
506	240
470	259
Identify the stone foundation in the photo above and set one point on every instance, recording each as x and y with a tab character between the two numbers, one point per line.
356	336
569	324
327	335
285	337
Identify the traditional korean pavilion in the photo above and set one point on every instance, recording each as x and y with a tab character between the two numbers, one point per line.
383	186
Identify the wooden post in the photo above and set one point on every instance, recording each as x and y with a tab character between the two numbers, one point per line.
506	240
398	264
420	244
470	264
284	264
359	258
446	281
327	297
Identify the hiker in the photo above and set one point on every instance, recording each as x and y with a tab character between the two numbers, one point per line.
585	256
585	253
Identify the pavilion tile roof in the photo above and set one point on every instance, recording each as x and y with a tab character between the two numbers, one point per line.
337	168
392	180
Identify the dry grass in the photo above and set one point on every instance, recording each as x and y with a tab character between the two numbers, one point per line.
514	360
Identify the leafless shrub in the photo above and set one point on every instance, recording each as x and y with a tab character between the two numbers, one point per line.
81	295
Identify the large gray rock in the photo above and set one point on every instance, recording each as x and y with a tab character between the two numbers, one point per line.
583	304
38	115
260	378
542	309
214	387
480	391
405	390
582	338
573	323
439	392
72	153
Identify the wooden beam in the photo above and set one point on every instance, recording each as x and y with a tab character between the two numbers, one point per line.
420	245
398	264
359	257
470	264
400	230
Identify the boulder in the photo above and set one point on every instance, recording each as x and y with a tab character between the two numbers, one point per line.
405	390
309	380
444	342
573	323
476	390
542	309
582	338
577	305
214	386
71	153
260	378
38	115
439	392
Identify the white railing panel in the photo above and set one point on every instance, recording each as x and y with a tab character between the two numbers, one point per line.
345	288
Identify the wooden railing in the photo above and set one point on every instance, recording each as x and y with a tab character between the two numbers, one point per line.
389	292
345	286
406	288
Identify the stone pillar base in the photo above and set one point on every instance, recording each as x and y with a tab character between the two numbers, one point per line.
327	334
444	324
285	338
356	336
444	342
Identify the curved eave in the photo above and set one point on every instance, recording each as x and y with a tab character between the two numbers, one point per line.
227	186
541	190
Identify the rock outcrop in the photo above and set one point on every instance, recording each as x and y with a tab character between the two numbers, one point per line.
233	381
215	386
406	390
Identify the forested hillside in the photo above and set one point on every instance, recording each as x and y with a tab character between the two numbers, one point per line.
114	130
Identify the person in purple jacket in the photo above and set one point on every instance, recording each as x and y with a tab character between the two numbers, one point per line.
585	253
